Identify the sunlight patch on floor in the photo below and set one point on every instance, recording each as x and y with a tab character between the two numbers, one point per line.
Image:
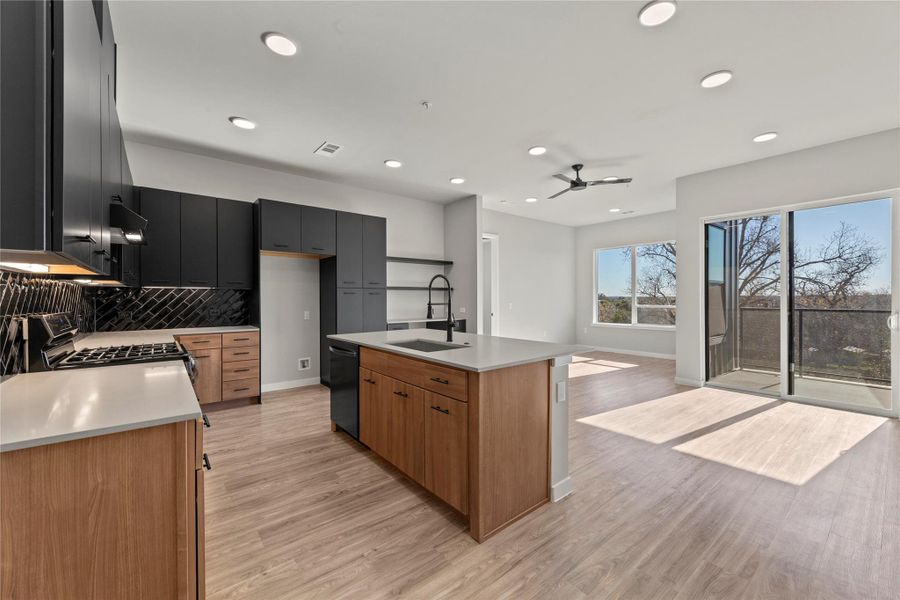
585	365
791	443
674	416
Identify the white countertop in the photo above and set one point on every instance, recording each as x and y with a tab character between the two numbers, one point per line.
58	406
150	336
484	352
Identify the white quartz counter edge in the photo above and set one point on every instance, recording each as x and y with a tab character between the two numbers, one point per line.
37	409
484	353
151	336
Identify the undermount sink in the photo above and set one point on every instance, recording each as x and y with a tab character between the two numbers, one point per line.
427	345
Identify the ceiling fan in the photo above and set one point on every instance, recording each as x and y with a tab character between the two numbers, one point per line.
578	184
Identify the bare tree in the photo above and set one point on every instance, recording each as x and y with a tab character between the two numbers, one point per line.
656	276
758	247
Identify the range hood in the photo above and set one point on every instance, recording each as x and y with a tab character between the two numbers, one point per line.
126	226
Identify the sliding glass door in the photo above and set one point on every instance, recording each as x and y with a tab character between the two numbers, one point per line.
841	304
802	304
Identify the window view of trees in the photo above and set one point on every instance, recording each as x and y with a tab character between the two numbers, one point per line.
636	284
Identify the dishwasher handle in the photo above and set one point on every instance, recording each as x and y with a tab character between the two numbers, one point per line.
342	352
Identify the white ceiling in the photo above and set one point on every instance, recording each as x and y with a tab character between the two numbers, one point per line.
583	79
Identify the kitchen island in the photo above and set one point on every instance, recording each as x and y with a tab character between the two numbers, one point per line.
481	423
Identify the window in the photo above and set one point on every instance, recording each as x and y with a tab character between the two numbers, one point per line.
635	285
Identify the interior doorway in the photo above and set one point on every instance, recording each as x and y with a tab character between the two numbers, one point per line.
490	272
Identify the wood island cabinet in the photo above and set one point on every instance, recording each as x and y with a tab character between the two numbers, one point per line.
479	441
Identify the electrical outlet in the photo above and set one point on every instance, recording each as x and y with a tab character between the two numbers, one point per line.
302	364
306	315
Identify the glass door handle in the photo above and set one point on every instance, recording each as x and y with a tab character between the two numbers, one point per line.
893	322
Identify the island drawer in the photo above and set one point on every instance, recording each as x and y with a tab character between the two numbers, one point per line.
243	338
240	388
240	354
201	342
436	378
242	369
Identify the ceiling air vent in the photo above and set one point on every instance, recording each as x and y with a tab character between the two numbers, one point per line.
327	149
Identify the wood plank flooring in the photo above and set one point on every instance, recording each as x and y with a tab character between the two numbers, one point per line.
296	511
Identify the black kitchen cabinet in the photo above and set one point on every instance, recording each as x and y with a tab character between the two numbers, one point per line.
374	244
161	256
374	310
349	311
128	265
279	225
235	241
198	241
76	121
349	250
317	230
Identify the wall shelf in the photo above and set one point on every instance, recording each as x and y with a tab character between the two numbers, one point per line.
419	261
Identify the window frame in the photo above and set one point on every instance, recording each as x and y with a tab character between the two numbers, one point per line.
634	303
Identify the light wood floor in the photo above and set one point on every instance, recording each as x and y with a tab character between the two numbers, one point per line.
685	507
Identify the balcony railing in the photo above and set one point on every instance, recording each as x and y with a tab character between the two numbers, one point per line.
846	344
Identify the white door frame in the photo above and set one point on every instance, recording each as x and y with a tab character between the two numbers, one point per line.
494	241
894	195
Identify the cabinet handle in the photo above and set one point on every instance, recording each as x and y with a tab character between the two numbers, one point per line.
348	282
240	353
446	411
206	421
374	293
87	238
242	339
402	394
280	245
374	283
235	282
159	281
369	380
200	341
116	198
439	380
241	370
198	281
206	464
349	293
322	249
241	389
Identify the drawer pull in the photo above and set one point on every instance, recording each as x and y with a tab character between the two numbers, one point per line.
315	248
402	394
206	464
200	341
206	421
369	380
241	370
446	411
280	245
241	339
439	380
240	353
241	389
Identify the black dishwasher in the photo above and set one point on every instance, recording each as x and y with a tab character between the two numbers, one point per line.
344	364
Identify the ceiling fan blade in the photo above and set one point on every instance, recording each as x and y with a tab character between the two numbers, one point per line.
563	177
602	182
559	193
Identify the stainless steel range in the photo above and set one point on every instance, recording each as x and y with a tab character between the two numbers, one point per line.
50	343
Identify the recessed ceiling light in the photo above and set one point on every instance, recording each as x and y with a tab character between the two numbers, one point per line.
394	164
536	150
657	12
615	210
610	178
457	180
530	199
242	122
279	44
766	137
716	79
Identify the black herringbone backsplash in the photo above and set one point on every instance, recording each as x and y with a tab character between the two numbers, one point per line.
127	309
110	309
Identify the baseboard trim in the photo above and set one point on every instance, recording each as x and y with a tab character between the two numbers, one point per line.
634	352
688	381
562	489
286	385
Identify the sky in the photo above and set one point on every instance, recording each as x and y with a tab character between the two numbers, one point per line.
812	228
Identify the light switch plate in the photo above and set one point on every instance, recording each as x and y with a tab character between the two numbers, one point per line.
560	391
306	315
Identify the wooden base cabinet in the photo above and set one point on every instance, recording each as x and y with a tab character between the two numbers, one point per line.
446	450
111	516
226	365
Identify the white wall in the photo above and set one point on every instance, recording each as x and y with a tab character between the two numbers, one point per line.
414	228
856	166
657	227
537	277
462	245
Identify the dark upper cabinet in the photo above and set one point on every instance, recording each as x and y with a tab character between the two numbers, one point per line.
198	241
374	310
129	256
317	230
235	240
161	255
349	251
349	311
279	226
77	137
374	243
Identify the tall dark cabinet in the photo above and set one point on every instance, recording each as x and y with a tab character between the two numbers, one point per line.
234	221
199	248
161	256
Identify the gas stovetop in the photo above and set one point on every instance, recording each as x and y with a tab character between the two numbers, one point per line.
119	355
